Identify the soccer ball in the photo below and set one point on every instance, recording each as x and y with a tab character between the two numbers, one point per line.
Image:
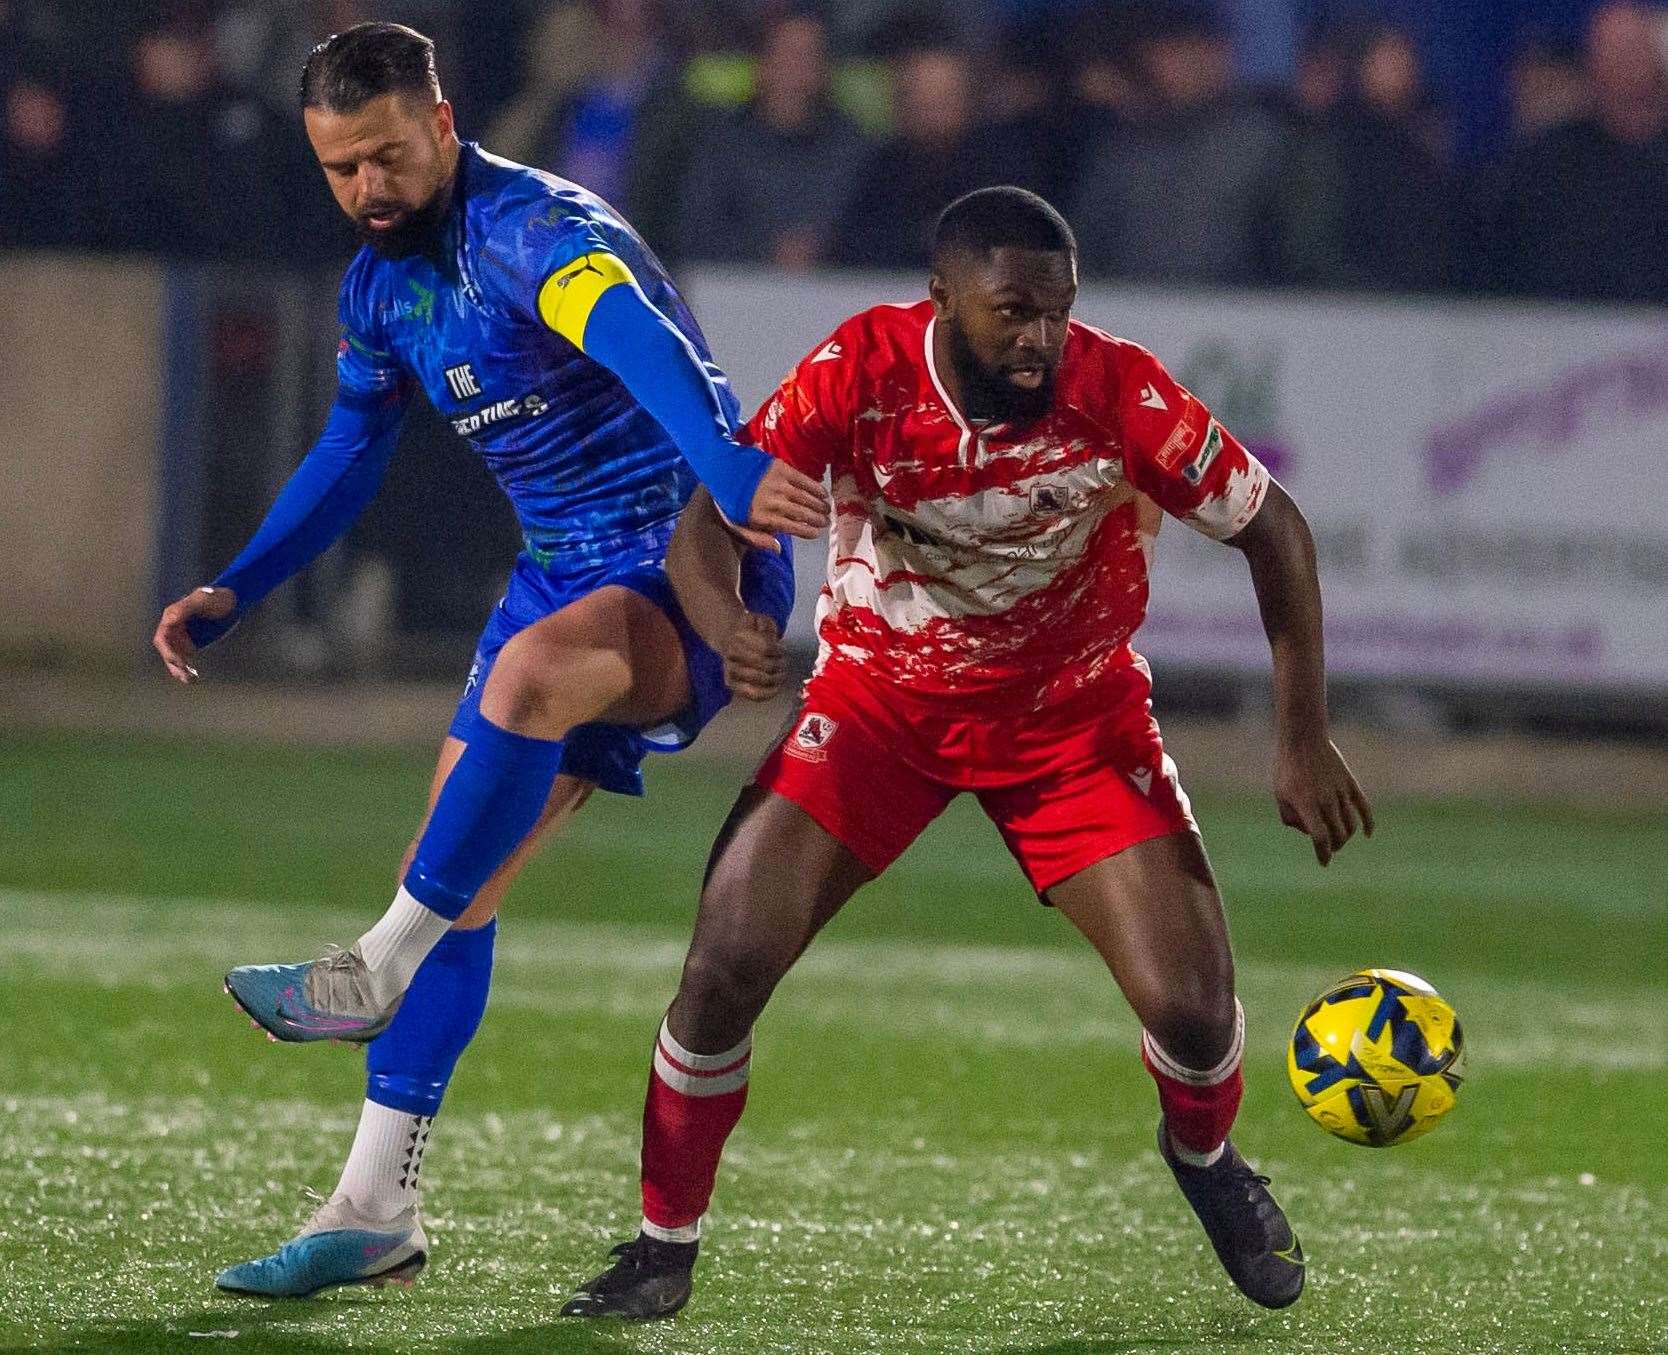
1376	1058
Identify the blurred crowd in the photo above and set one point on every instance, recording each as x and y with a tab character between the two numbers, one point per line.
744	131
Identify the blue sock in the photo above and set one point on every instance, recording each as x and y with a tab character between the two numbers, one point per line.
409	1064
489	803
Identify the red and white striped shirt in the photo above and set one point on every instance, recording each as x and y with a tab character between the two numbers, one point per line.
994	564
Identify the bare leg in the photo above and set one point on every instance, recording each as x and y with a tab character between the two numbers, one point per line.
1154	915
612	655
774	880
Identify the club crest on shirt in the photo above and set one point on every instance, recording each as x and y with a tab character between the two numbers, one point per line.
1050	498
811	736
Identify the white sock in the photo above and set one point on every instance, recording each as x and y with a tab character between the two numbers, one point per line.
400	942
690	1232
1195	1159
383	1165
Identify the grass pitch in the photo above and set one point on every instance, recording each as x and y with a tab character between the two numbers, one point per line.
949	1143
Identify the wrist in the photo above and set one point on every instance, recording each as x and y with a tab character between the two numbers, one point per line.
734	478
1299	734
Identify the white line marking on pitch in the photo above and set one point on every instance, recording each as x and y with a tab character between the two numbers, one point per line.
1007	996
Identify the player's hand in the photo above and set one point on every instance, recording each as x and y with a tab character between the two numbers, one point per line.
787	500
173	641
1319	796
754	661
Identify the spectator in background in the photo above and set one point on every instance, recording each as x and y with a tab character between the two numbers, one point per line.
765	182
207	171
46	196
1103	96
164	139
1581	211
1366	200
555	65
1026	89
938	152
622	115
592	68
1323	65
1546	87
1181	193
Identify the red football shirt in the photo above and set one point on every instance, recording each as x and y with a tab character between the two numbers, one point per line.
990	563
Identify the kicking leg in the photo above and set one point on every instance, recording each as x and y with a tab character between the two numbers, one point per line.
775	878
611	656
1154	914
369	1231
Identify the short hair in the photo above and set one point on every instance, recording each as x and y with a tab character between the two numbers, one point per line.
349	69
989	218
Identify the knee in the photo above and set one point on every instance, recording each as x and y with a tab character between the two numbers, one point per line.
524	691
727	983
1193	1016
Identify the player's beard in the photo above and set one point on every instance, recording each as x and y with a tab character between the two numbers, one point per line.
418	232
987	392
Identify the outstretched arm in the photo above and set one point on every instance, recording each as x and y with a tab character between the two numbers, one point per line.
327	492
1317	793
704	566
595	303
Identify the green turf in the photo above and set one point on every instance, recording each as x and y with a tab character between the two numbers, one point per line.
948	1144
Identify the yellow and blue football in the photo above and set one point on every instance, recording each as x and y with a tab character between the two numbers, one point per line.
1377	1058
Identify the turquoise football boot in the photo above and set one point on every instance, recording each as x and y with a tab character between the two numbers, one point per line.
327	999
337	1246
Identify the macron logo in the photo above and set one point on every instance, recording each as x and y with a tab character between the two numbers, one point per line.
828	352
1151	399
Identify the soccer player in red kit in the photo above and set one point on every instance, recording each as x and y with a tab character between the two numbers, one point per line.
999	474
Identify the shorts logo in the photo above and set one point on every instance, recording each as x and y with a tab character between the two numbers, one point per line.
810	739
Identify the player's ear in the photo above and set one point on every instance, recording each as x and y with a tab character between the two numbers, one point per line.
939	291
444	123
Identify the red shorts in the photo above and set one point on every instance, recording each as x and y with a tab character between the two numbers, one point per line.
1066	786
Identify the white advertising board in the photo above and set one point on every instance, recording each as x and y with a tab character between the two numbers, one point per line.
1488	485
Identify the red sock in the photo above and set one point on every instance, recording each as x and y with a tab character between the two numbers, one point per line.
694	1102
1199	1107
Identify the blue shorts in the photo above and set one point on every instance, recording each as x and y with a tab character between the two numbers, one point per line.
611	755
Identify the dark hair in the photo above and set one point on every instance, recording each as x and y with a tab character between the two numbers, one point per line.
989	218
349	69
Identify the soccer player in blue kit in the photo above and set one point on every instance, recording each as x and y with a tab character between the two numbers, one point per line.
540	325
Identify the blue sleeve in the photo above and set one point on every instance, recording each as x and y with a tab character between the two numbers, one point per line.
665	374
595	302
322	499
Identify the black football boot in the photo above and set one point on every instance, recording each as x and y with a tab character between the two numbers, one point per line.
649	1279
1253	1240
